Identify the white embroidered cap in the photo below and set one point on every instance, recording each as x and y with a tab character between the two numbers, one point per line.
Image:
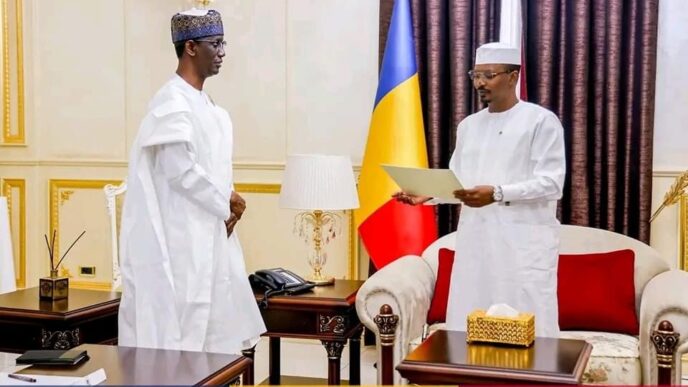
497	53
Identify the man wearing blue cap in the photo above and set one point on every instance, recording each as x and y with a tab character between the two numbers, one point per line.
184	278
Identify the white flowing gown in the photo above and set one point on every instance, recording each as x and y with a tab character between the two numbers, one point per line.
508	252
184	282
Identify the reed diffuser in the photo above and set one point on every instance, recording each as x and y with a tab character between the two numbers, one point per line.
55	287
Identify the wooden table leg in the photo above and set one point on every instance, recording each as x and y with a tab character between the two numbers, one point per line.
275	361
334	356
247	378
355	358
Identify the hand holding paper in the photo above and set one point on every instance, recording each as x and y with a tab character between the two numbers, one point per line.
436	183
477	196
410	199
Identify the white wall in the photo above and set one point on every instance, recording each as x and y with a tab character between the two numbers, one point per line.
299	76
671	119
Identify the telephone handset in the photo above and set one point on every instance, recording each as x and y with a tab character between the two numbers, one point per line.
278	281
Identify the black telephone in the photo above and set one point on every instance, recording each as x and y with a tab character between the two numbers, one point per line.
278	281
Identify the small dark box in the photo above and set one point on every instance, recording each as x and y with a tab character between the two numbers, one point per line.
53	288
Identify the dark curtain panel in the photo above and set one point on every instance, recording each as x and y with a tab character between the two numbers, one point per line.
593	63
446	33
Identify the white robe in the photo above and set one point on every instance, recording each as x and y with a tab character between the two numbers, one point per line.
508	252
184	282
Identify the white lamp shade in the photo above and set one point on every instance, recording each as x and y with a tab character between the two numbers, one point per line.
318	182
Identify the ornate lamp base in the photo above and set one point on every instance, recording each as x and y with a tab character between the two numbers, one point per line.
321	280
53	288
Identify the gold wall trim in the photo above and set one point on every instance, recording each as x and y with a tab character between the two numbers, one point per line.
353	247
105	286
7	136
124	164
265	188
7	186
683	230
64	163
271	167
60	191
6	109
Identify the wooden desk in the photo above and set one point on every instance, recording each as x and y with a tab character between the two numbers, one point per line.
143	366
328	314
87	316
446	358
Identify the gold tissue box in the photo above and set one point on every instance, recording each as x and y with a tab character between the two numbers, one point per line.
504	330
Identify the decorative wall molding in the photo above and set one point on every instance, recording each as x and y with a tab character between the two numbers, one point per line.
124	164
60	192
683	230
12	38
64	163
6	187
667	173
352	264
262	188
104	286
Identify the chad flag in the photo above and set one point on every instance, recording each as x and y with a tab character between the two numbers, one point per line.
390	229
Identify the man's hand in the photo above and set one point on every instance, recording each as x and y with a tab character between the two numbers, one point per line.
230	223
479	196
410	199
237	205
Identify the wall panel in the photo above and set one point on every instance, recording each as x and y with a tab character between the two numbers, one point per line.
251	83
150	56
12	72
80	78
76	206
268	238
15	192
331	77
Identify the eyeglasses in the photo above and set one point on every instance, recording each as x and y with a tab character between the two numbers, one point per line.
215	44
486	75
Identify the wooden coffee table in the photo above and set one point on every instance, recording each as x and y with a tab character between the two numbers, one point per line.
446	358
128	366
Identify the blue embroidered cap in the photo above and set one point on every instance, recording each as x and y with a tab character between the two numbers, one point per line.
196	23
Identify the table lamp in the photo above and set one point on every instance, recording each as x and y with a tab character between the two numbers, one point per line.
319	185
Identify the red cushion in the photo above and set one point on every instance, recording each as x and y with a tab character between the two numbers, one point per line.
596	292
438	306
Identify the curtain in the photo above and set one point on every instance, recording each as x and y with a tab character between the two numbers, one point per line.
592	62
446	34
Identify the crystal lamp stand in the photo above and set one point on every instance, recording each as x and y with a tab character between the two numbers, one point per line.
319	228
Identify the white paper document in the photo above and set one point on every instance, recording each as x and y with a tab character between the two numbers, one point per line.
91	379
437	183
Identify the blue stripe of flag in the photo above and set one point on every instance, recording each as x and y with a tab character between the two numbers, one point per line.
399	59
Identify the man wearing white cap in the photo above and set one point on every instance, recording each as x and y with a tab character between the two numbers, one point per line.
512	156
184	279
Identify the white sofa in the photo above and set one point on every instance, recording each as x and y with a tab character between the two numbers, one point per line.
406	285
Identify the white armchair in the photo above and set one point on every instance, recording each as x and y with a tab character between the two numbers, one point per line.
394	303
113	198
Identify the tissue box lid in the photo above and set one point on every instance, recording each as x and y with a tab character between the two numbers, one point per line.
522	317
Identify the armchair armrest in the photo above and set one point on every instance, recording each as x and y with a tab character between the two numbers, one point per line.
406	285
664	298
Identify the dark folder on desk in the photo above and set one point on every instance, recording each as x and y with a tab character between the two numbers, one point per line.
53	357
